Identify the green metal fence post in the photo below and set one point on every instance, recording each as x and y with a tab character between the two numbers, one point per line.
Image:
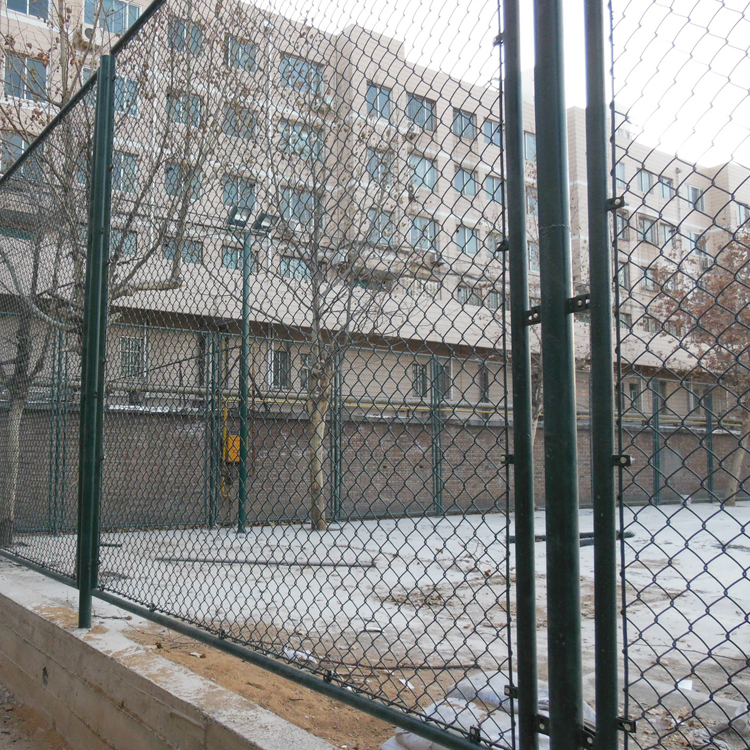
336	437
601	382
436	428
655	409
523	447
53	443
558	371
244	384
708	406
94	345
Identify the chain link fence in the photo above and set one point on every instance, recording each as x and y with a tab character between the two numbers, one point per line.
680	148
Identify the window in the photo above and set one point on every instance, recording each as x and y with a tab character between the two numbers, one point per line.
115	16
651	325
238	191
666	234
294	268
483	381
533	257
304	371
240	54
441	379
421	112
666	186
466	239
493	132
123	243
281	368
423	234
649	281
232	255
423	172
696	393
492	300
645	180
382	228
419	379
647	229
191	251
13	145
466	295
302	140
532	202
298	206
743	213
673	328
184	109
621	182
465	182
495	246
623	275
529	146
15	233
626	320
634	394
36	8
126	96
301	75
25	78
239	122
698	250
132	364
124	172
621	226
176	180
378	101
464	124
695	197
417	287
493	188
380	167
185	36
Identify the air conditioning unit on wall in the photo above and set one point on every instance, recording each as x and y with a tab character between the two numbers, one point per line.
88	35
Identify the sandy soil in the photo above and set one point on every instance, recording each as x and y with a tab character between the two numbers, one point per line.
22	728
342	726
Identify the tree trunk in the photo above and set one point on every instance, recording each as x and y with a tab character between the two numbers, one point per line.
317	407
10	456
738	460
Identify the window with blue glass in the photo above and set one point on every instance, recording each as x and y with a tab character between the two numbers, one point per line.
123	242
423	235
299	206
184	109
301	75
25	78
239	122
178	178
238	191
493	132
378	101
464	124
38	8
493	188
466	239
300	139
294	268
240	54
115	16
465	182
185	36
124	172
126	95
232	255
382	228
421	112
190	251
423	172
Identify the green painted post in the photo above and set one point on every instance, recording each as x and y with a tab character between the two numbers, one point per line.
51	498
656	448
523	447
436	397
244	384
709	408
336	438
558	372
94	346
602	383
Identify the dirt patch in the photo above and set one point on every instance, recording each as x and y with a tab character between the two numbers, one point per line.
22	728
330	720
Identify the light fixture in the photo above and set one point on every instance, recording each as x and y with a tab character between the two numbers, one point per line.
264	223
238	217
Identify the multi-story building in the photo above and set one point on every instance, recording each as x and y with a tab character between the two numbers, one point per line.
387	182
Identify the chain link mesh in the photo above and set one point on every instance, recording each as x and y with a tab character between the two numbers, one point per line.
681	162
340	172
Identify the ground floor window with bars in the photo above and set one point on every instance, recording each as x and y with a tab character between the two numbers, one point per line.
280	367
132	362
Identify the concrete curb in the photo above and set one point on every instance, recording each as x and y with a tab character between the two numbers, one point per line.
101	690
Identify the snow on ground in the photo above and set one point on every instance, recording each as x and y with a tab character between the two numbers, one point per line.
408	593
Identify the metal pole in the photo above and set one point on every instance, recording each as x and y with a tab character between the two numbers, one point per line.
436	429
336	438
244	379
601	383
51	480
523	446
708	406
655	448
94	322
558	372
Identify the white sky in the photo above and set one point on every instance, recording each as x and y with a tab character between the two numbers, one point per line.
682	68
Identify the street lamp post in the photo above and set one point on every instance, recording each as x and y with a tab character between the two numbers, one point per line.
239	217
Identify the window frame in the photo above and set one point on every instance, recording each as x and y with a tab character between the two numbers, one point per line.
464	124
